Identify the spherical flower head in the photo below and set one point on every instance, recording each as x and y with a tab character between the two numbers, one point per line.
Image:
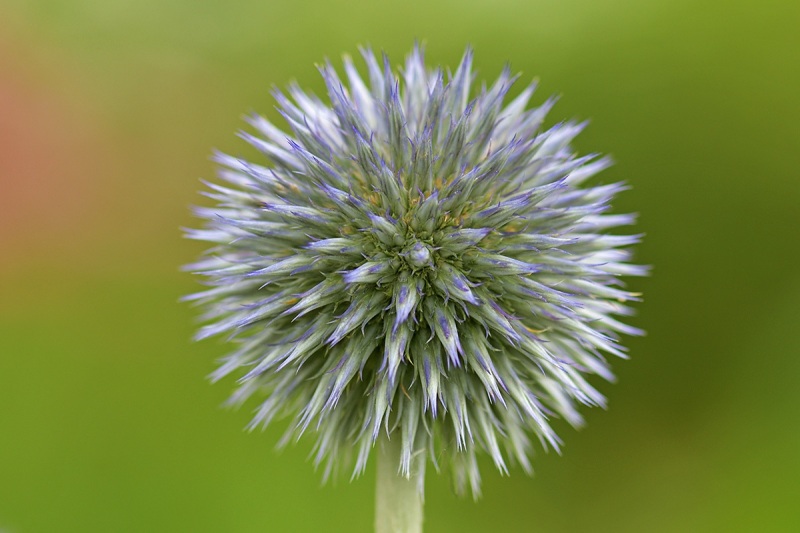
416	258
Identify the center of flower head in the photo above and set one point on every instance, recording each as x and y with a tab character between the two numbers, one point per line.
419	256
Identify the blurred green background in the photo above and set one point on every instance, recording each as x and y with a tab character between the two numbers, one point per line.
109	110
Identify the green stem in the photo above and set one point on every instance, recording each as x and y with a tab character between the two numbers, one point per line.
398	503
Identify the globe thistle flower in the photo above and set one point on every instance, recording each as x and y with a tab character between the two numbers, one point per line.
416	259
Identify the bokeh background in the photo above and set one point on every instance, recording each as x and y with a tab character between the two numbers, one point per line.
109	110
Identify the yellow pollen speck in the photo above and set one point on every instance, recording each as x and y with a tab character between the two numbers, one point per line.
537	331
404	391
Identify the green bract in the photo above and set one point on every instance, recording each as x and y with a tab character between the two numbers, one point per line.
417	259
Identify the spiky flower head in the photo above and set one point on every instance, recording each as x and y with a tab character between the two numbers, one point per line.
417	258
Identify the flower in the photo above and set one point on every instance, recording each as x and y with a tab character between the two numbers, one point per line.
419	260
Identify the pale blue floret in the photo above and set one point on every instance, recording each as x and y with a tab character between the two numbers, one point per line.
419	258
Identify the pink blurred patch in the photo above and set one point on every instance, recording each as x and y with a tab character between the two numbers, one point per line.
48	156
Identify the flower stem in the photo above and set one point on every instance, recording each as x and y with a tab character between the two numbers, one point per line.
398	503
